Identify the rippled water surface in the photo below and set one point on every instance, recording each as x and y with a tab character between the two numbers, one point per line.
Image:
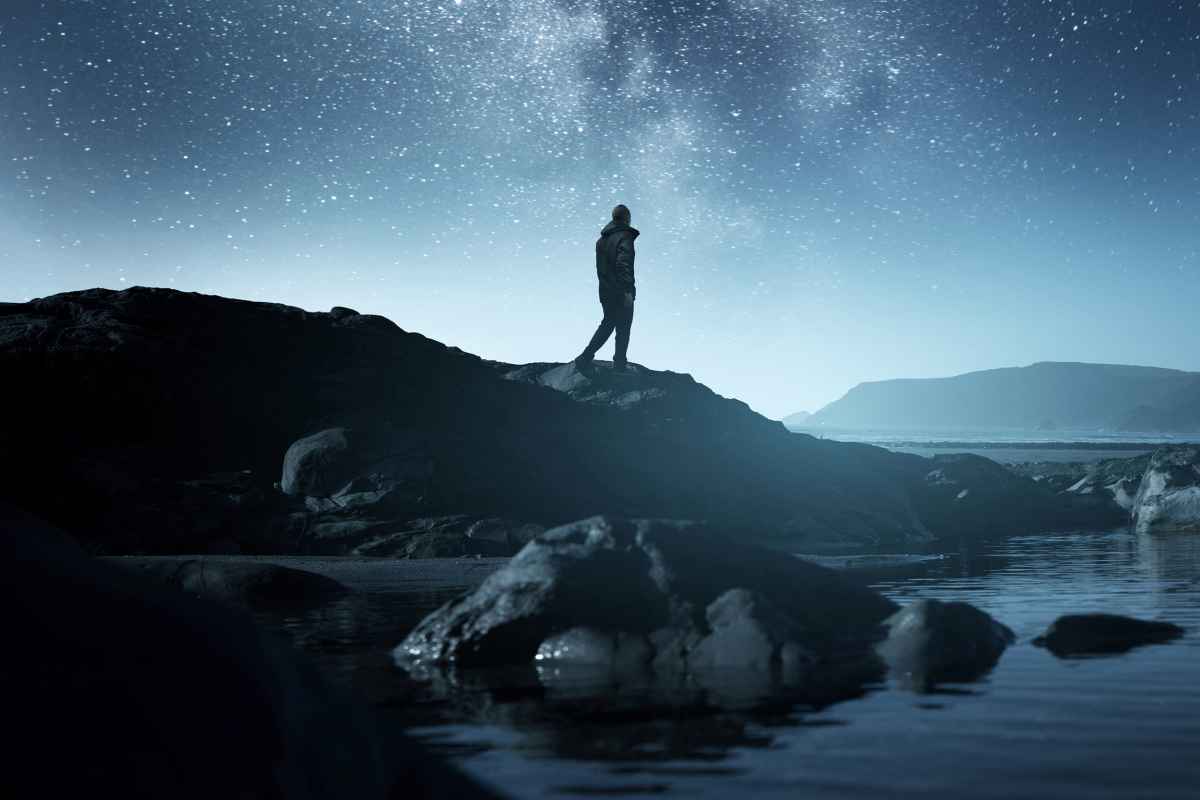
1125	726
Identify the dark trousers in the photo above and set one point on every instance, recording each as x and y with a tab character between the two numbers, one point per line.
618	317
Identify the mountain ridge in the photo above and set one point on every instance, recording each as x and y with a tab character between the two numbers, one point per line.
1044	395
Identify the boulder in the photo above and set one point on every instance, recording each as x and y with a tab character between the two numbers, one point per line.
348	468
252	584
1168	498
929	642
1116	478
643	578
1083	634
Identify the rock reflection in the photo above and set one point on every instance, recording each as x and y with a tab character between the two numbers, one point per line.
630	715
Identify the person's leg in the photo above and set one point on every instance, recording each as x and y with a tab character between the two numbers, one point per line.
623	324
603	331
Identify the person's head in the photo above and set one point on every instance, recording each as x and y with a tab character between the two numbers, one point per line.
621	214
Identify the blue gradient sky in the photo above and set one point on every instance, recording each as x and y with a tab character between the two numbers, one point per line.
828	192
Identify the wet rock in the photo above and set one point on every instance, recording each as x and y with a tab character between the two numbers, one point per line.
1116	478
252	584
500	531
620	652
639	577
965	492
930	642
749	632
1081	634
1168	498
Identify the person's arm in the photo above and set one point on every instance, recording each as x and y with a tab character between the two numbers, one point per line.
624	266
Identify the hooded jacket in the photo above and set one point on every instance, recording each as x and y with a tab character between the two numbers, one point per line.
614	260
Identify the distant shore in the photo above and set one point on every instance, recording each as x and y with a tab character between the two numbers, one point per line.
958	446
1003	450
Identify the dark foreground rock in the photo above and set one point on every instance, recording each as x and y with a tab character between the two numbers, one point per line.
666	600
1082	634
120	687
251	585
1168	499
161	422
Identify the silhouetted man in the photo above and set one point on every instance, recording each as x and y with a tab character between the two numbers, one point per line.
614	268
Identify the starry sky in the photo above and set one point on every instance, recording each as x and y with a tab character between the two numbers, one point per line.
829	191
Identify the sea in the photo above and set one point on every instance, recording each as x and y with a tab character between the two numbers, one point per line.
1036	726
1008	445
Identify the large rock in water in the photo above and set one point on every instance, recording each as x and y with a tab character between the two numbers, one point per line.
1168	498
666	583
676	604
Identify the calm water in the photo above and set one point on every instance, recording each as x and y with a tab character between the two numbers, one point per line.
1124	726
1009	445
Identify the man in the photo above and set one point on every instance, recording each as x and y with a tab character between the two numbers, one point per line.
614	268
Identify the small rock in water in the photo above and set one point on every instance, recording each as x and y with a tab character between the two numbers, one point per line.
930	641
1083	634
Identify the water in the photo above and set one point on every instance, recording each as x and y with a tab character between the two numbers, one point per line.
1125	726
1008	446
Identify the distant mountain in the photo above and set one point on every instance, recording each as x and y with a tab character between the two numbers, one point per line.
797	420
1045	396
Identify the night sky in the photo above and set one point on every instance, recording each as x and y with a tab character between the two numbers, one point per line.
828	192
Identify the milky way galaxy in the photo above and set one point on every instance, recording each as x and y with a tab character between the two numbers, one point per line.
828	191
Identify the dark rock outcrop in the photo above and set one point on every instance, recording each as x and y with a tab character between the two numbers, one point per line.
120	687
155	421
1168	498
1115	478
964	492
1082	634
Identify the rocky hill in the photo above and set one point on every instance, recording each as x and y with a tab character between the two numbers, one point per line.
1046	396
156	421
